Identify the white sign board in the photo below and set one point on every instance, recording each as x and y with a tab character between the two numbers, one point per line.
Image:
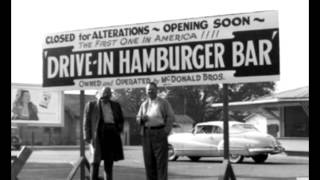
207	50
33	106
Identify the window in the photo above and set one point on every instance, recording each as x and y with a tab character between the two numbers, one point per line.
296	122
217	130
204	129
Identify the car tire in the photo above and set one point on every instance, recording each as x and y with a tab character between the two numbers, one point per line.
194	158
172	154
235	158
260	158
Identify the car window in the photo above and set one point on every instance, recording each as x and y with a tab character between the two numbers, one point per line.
205	129
217	130
237	128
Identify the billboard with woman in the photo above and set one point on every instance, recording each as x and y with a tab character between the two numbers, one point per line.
34	105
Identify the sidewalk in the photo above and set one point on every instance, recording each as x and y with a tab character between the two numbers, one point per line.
47	164
295	147
46	171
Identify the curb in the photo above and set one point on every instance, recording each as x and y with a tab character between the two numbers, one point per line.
297	153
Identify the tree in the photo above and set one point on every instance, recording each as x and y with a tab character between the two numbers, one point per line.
192	100
196	101
248	92
130	99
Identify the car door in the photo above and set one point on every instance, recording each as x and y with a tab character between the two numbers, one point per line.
203	142
216	138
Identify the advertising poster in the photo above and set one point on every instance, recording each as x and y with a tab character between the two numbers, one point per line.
35	106
198	51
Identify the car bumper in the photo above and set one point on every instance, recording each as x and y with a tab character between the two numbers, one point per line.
271	150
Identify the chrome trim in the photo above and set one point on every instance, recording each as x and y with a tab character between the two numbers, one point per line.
274	150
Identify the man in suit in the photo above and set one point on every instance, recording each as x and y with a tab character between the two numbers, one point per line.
156	118
103	123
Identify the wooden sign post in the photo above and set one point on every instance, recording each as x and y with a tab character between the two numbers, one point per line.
82	150
82	161
228	173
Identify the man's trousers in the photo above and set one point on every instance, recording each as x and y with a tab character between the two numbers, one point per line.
155	153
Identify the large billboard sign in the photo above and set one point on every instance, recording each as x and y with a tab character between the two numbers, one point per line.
207	50
33	105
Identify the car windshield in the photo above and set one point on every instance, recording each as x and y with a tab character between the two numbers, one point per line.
208	129
204	129
238	128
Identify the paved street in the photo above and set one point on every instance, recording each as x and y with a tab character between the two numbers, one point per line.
56	165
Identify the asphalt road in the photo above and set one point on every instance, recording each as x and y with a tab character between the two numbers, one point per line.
56	165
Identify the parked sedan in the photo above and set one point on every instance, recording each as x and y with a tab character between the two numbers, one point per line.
206	140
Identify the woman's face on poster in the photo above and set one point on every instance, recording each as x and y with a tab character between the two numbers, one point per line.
26	97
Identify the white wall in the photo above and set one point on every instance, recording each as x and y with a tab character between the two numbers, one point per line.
259	121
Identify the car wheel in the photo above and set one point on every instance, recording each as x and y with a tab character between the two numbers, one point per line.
235	158
260	158
172	154
194	158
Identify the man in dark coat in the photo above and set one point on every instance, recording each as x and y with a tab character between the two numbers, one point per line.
103	123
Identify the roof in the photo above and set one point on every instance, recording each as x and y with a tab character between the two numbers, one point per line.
183	119
299	93
266	115
285	98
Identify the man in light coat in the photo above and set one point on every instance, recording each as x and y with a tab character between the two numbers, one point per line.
155	117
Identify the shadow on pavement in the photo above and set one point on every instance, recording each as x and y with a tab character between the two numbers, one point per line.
200	161
60	171
45	171
244	162
273	163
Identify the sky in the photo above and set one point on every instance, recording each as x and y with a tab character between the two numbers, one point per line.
33	19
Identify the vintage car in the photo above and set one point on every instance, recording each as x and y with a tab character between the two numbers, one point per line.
206	140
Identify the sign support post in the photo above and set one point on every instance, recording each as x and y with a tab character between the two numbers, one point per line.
228	171
82	150
82	161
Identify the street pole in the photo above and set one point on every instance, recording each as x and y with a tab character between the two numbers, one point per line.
82	166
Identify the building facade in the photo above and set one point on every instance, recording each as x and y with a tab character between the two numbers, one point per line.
284	115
